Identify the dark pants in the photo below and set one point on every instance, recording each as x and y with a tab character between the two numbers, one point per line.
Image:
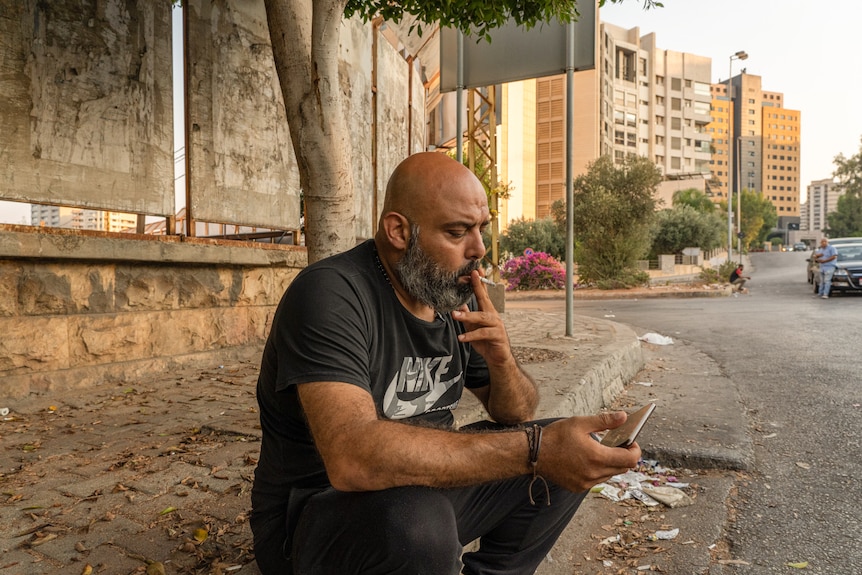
420	530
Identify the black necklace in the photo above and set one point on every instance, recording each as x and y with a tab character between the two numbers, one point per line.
381	268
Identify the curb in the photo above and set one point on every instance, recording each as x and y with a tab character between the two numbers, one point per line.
596	294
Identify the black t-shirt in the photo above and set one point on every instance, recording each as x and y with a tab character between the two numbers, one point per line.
340	320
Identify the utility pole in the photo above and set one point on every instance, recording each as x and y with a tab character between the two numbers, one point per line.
731	112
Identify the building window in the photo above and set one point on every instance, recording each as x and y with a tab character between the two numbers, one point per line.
676	104
676	84
625	65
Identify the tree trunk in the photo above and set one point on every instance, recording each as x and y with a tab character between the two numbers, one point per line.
305	36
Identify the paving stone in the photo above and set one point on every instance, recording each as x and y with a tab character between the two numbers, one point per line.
25	562
174	473
153	544
105	559
186	502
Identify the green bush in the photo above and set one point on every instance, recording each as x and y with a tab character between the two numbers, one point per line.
625	281
720	275
542	235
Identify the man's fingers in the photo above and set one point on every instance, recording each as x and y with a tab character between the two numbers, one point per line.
608	420
480	291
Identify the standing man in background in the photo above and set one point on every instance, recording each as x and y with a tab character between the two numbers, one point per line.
826	256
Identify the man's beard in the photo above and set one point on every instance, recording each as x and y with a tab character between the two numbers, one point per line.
424	280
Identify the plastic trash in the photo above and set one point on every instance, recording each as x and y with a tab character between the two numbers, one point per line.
665	535
671	496
656	338
4	411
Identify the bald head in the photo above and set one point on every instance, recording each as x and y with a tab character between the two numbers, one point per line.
428	181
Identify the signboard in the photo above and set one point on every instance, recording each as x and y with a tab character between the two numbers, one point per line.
516	53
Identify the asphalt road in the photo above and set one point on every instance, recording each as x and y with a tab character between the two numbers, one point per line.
797	362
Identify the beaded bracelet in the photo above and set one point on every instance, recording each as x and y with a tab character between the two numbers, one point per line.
534	443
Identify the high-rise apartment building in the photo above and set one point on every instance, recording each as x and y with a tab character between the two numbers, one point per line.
641	100
822	200
655	103
765	146
81	219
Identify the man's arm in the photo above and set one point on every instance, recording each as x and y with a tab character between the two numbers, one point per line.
362	452
512	396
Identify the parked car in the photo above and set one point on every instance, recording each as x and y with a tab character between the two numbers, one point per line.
848	271
814	267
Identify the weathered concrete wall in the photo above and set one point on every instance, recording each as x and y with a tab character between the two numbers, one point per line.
393	96
89	308
355	73
86	115
243	170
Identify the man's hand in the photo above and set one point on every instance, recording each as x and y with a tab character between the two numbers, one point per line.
570	457
512	396
485	329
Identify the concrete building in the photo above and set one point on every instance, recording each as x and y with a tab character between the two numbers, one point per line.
822	200
765	147
662	94
641	100
81	219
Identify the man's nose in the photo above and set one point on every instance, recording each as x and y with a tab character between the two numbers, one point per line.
476	247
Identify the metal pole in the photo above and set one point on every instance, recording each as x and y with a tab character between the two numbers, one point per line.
459	101
739	198
570	226
730	114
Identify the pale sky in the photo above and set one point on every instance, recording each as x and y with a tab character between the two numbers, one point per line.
806	50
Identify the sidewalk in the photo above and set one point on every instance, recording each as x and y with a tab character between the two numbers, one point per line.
159	472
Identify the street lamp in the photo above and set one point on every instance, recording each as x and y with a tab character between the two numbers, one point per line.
741	55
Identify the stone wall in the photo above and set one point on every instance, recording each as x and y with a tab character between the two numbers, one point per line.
78	308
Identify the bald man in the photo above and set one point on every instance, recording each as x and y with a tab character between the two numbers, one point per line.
361	469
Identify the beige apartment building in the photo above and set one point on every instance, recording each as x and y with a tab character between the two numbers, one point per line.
766	143
655	103
822	199
81	218
640	100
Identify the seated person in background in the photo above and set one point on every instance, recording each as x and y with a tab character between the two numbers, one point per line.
361	469
737	280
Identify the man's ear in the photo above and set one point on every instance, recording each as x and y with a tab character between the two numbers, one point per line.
397	230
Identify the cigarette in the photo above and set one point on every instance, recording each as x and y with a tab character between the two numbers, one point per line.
486	281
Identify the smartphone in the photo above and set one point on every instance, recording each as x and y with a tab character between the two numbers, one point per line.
625	434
